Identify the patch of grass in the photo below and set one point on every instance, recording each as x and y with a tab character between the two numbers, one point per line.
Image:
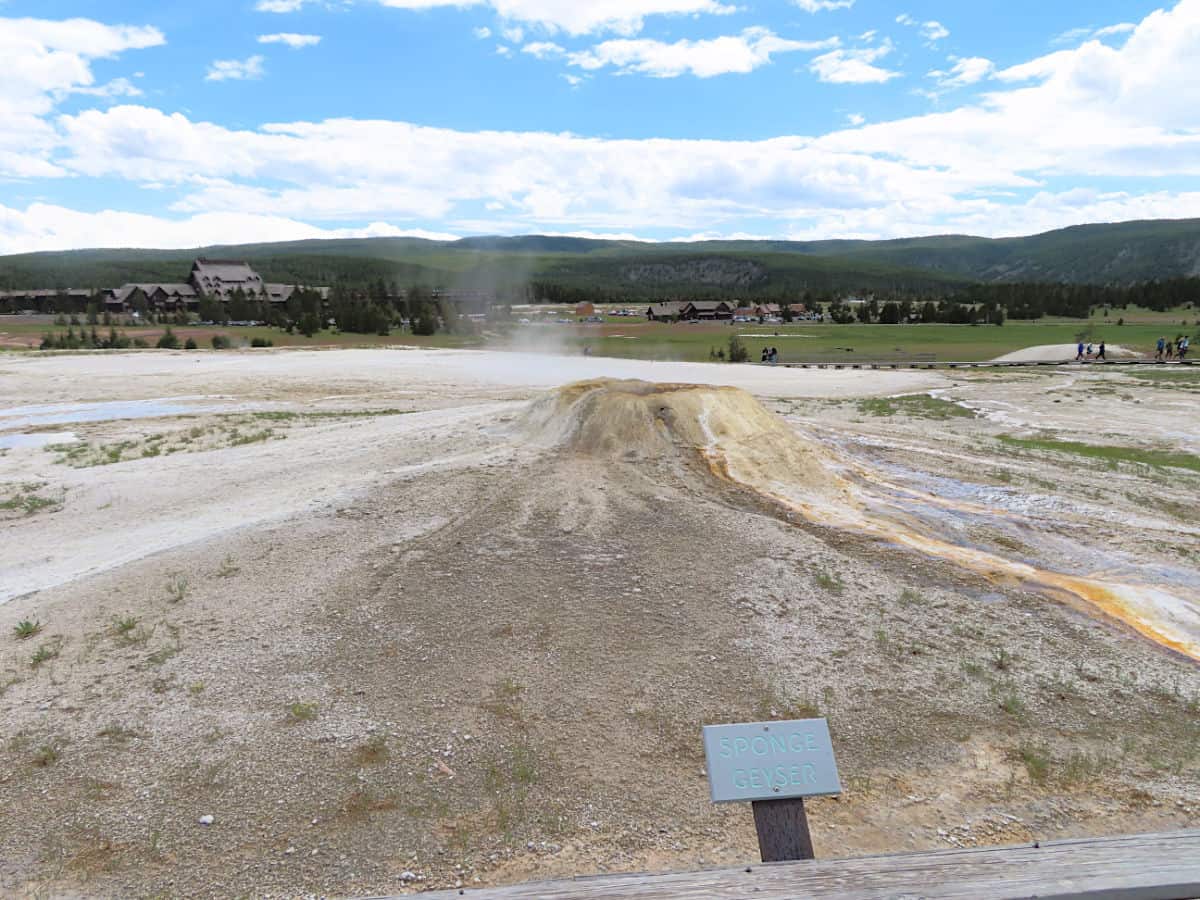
373	751
237	439
177	588
916	406
1111	454
158	657
47	755
123	626
196	688
505	701
771	704
228	568
830	583
44	653
1080	766
1013	705
1036	759
117	733
972	668
1002	660
27	500
909	597
26	629
301	712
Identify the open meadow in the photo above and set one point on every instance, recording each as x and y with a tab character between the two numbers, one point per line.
402	618
551	329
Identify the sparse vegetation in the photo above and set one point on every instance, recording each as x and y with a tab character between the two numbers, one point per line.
1002	660
123	625
1113	455
47	755
1013	705
373	751
28	500
300	711
1036	759
177	588
44	653
26	629
916	406
830	583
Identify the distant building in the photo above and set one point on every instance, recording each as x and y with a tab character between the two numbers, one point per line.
585	309
221	278
665	312
706	310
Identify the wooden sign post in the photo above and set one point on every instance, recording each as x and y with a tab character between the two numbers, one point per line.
774	766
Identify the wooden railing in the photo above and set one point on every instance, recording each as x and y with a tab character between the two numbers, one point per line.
1142	867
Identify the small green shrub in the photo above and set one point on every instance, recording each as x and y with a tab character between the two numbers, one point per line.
261	342
190	344
44	653
1013	705
26	629
122	626
221	342
177	588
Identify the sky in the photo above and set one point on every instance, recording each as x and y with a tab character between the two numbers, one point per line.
165	123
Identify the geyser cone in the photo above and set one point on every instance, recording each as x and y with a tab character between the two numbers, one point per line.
725	427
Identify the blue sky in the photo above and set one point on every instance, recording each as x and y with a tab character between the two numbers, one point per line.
143	123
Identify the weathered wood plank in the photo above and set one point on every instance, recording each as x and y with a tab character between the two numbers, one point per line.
1141	867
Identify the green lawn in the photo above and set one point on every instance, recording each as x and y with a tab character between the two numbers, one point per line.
636	338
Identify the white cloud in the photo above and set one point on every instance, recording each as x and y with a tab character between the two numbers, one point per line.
741	53
1075	35
1094	112
965	71
236	69
544	49
854	66
482	32
279	6
856	119
295	41
932	31
576	17
43	63
47	227
813	6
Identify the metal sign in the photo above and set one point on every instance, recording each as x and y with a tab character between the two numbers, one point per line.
770	761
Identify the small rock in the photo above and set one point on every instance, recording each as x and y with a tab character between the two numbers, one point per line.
207	820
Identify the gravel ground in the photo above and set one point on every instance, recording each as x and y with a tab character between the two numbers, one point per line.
404	642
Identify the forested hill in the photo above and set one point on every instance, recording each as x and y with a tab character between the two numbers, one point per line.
1088	254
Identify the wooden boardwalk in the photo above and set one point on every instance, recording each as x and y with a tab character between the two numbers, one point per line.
979	364
1142	867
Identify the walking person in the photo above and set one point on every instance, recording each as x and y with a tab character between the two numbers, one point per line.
1160	349
1170	350
1101	355
766	356
1079	352
1185	344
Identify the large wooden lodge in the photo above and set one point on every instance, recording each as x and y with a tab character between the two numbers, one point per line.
215	279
